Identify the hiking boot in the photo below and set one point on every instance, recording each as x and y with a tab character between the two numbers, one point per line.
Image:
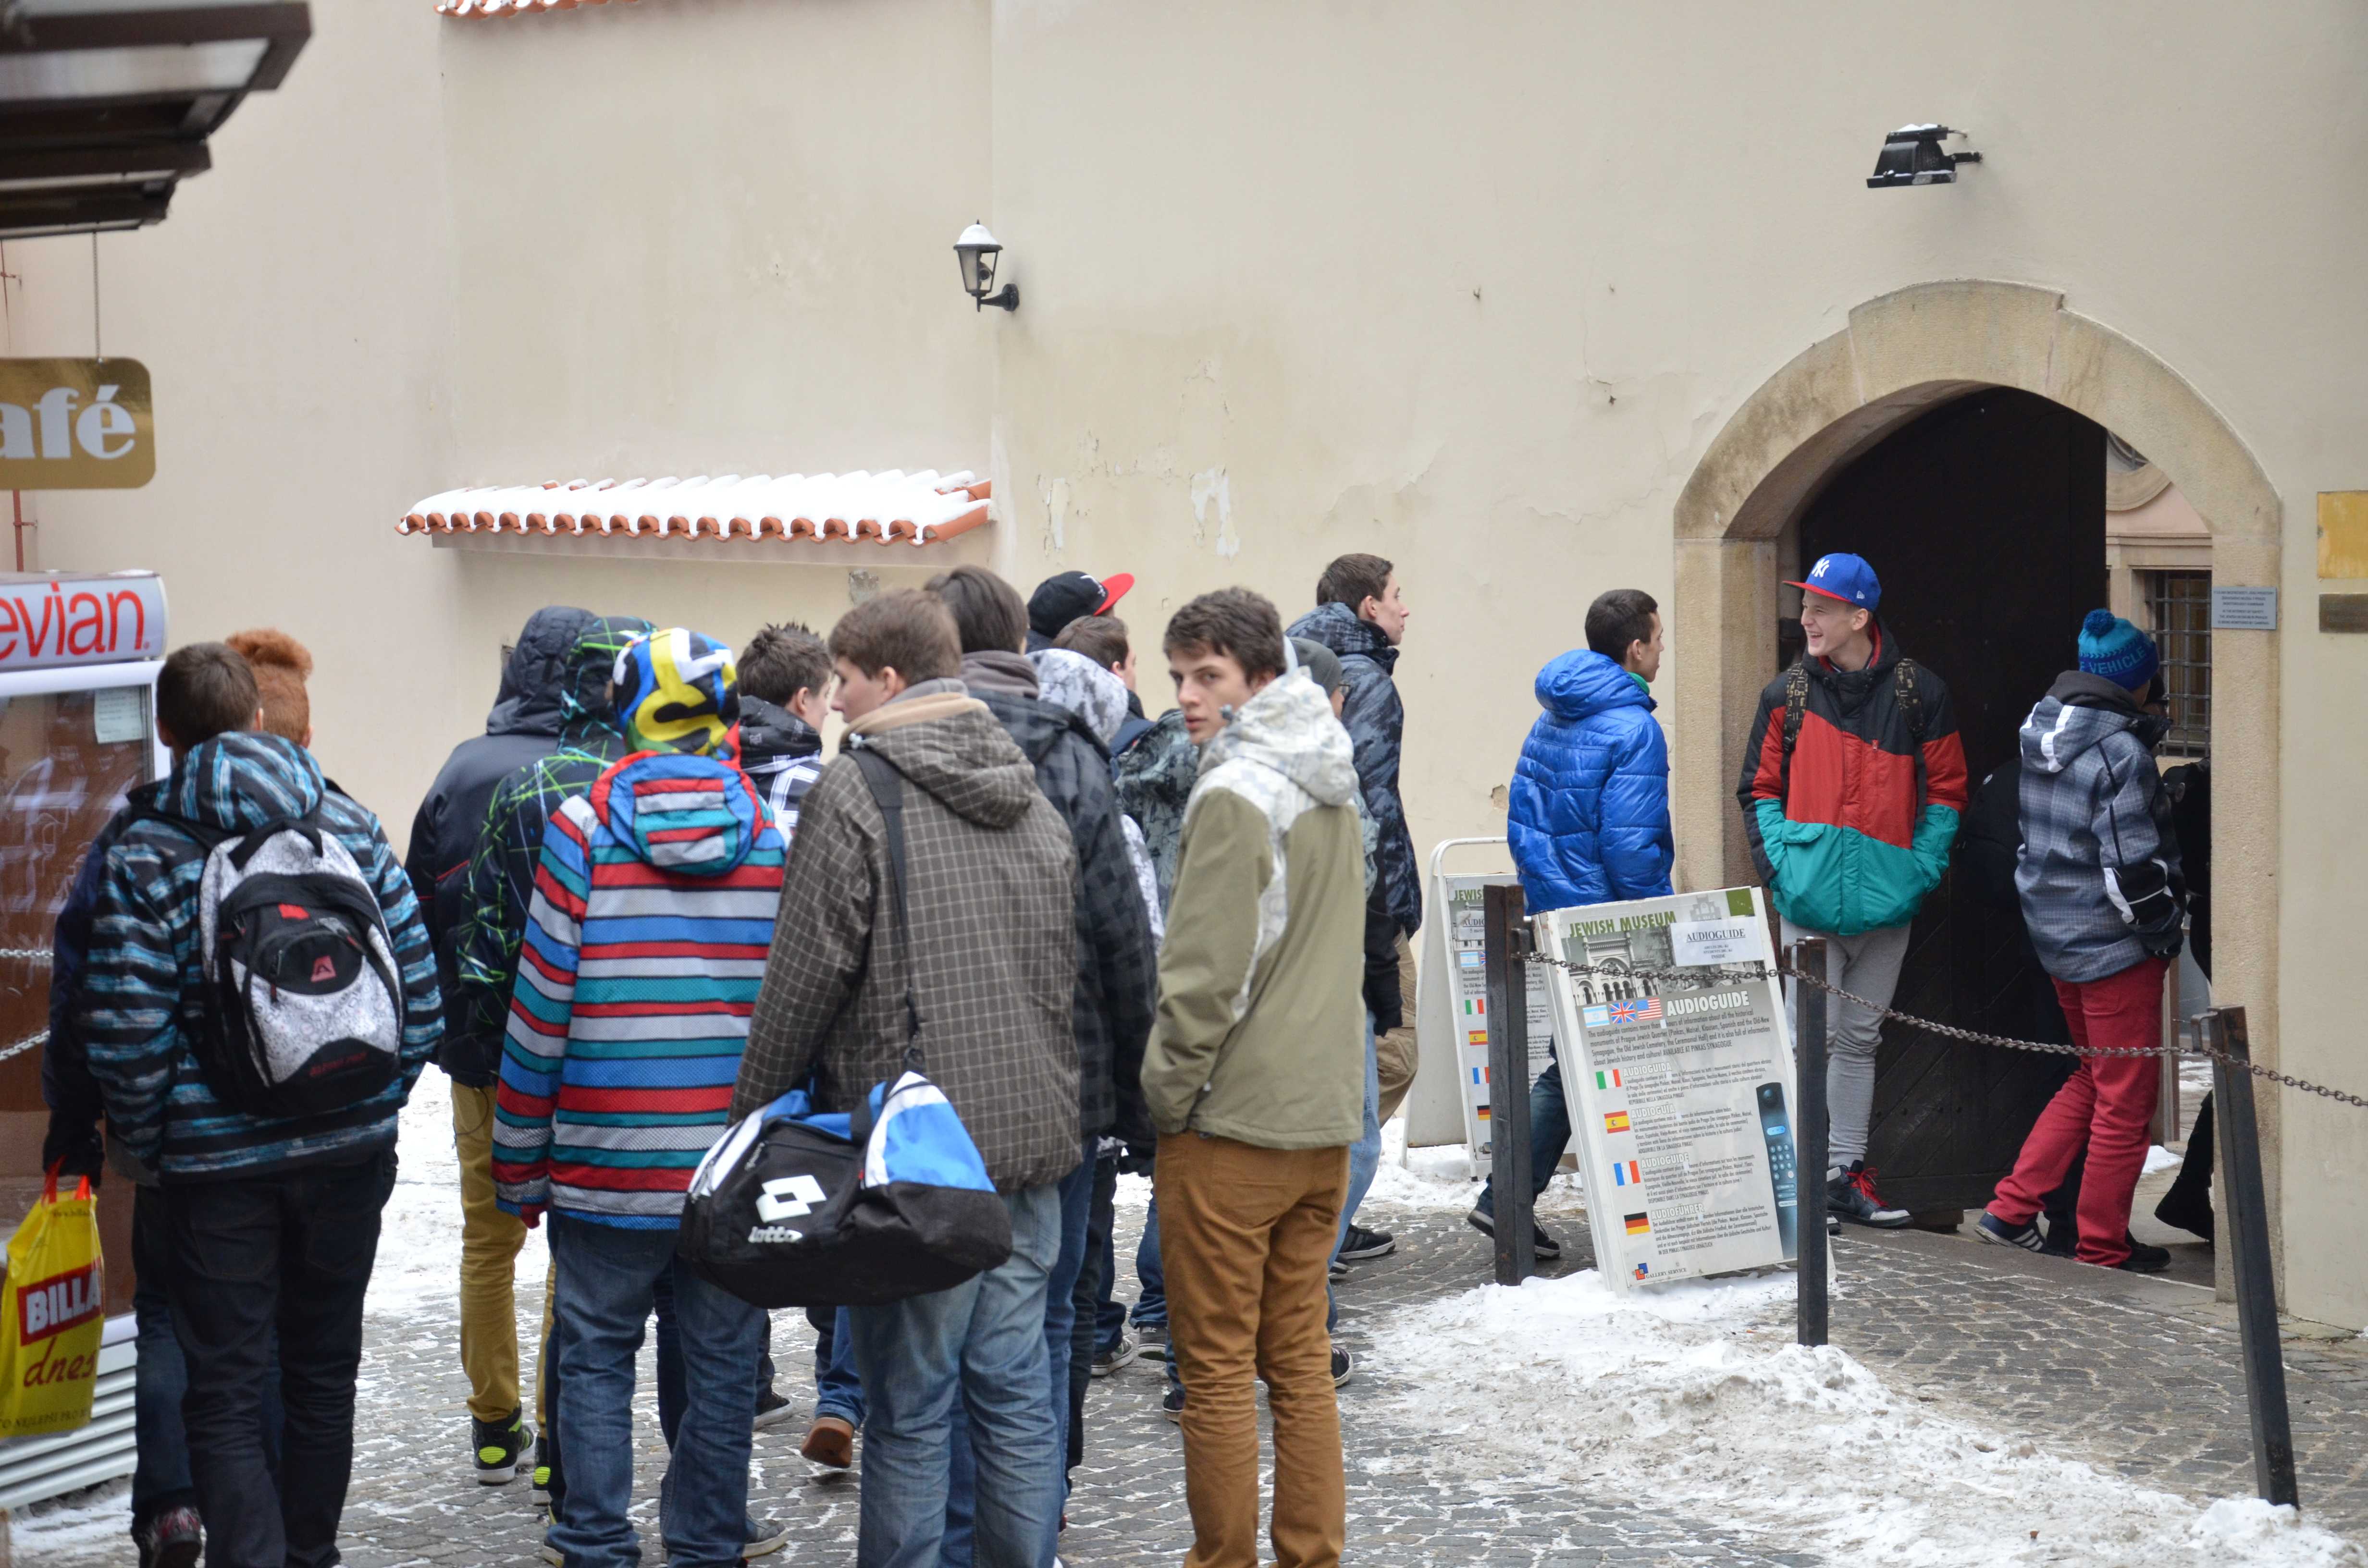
1120	1355
1851	1194
541	1495
1361	1246
2144	1259
500	1447
1172	1406
172	1540
830	1441
1343	1368
1541	1244
771	1409
1997	1232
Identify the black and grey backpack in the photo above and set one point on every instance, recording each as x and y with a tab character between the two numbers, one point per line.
303	1009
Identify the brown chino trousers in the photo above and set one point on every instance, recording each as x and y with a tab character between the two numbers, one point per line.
1246	1236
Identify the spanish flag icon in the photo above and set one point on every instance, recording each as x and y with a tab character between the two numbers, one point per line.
1616	1121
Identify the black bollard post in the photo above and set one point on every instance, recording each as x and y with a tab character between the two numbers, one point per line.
2245	1209
1809	1143
1509	1078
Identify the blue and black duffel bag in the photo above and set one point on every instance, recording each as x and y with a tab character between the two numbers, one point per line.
795	1208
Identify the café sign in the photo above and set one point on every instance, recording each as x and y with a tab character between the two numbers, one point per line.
75	424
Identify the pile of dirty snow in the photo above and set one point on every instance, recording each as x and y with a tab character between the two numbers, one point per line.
1693	1396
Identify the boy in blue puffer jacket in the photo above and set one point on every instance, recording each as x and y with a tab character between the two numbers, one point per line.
1589	815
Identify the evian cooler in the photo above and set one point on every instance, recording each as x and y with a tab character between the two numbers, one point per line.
78	662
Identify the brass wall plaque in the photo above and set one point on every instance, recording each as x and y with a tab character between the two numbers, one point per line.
2343	612
75	424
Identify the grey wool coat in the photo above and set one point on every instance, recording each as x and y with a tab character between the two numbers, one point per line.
990	876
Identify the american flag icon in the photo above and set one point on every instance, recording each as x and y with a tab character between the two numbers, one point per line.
1644	1012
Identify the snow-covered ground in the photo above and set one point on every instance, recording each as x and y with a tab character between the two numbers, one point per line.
1693	1396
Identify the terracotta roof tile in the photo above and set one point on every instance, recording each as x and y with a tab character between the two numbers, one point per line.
892	507
471	9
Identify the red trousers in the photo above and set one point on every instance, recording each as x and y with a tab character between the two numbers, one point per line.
2108	1106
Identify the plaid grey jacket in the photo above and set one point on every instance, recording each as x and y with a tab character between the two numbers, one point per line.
2099	874
990	875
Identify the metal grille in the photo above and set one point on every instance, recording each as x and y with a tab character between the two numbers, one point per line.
2179	604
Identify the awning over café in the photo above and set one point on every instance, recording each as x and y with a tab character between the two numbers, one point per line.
885	508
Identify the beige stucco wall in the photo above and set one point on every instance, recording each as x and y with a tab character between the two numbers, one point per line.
1474	288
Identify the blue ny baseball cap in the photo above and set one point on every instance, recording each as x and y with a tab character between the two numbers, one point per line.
1845	577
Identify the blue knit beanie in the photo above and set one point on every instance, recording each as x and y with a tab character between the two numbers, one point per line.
2114	648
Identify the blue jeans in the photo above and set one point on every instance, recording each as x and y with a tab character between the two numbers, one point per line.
608	1288
1549	1135
1151	1300
1365	1154
982	1341
837	1390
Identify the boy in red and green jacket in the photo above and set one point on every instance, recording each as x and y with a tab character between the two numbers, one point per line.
1851	789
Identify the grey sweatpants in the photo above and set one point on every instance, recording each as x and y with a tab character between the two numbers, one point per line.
1868	965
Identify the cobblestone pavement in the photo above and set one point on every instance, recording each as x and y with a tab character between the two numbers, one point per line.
2138	1376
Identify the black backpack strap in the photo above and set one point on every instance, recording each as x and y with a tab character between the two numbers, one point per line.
1911	701
1796	705
888	791
306	827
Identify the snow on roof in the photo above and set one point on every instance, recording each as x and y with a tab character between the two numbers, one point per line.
921	508
473	8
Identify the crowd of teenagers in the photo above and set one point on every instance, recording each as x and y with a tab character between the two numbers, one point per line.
642	905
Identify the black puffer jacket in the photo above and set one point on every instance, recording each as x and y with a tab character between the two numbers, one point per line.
1117	966
500	878
523	726
1376	722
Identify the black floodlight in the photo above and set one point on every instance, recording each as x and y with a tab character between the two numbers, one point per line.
1912	156
977	250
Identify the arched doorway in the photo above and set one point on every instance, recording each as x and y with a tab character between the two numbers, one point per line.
1901	358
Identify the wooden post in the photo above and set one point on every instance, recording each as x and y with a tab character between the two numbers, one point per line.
1508	1079
2245	1219
1811	1142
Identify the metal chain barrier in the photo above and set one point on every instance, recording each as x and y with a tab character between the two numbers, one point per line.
1693	977
22	1046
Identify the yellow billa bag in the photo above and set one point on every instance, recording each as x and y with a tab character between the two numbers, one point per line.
55	1298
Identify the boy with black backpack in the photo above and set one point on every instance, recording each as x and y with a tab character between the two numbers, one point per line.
259	997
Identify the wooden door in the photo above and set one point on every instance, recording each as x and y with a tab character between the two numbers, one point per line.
1986	521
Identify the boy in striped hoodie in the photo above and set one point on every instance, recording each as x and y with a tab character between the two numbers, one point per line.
645	943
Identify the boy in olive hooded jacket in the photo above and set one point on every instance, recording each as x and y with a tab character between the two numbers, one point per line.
1254	1078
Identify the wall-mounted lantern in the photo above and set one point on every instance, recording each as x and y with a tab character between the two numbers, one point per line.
977	251
1912	156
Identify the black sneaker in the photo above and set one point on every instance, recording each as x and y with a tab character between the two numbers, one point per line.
1343	1368
1336	1269
1122	1354
771	1408
764	1536
1362	1245
1852	1196
2062	1239
2144	1259
1997	1232
1541	1244
1173	1405
500	1447
172	1540
540	1494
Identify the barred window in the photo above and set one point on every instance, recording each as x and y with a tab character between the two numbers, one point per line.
2179	606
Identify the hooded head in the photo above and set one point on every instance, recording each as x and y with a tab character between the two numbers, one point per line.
676	690
1075	683
590	666
1288	727
535	677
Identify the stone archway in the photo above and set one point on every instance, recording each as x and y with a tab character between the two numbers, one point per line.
1901	355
